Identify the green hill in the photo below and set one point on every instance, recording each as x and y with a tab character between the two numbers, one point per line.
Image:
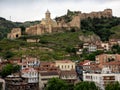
6	26
51	46
116	31
55	46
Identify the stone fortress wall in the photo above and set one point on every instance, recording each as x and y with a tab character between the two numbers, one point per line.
15	33
106	13
49	25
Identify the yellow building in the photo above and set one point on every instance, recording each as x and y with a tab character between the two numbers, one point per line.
65	65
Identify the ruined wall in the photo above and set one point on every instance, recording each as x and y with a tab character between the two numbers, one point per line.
75	22
15	33
31	30
106	13
38	29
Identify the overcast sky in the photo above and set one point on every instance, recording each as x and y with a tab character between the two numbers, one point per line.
31	10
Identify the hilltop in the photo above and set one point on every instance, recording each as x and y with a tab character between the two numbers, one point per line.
58	45
7	25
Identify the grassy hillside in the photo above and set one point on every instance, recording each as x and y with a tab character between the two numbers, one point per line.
50	47
57	45
116	31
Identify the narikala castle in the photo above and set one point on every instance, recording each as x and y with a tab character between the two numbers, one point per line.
48	25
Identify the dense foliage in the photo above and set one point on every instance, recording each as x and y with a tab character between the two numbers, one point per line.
113	86
90	56
1	86
56	84
101	26
8	69
116	49
86	86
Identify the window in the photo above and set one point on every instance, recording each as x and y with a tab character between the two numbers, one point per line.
62	66
32	73
68	66
72	66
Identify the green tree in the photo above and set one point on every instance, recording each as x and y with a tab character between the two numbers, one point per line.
86	86
22	29
113	86
101	26
0	85
70	50
8	54
91	56
9	69
56	84
116	49
16	68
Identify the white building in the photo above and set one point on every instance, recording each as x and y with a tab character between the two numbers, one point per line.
3	83
103	78
29	62
92	48
105	46
31	74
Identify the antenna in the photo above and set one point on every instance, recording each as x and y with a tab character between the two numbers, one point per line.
10	18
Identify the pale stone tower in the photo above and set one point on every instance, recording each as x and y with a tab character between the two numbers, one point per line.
47	14
76	22
108	13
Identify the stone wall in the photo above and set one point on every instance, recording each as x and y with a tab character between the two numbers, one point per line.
15	33
106	13
75	22
76	19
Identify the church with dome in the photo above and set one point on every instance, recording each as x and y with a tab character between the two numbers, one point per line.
48	25
45	26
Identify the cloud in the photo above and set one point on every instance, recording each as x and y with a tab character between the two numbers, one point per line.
24	10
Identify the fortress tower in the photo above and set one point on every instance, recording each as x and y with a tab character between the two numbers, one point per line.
108	13
47	15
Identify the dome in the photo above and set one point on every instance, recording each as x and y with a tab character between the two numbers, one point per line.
47	11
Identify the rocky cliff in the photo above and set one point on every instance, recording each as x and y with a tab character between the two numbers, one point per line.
90	38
